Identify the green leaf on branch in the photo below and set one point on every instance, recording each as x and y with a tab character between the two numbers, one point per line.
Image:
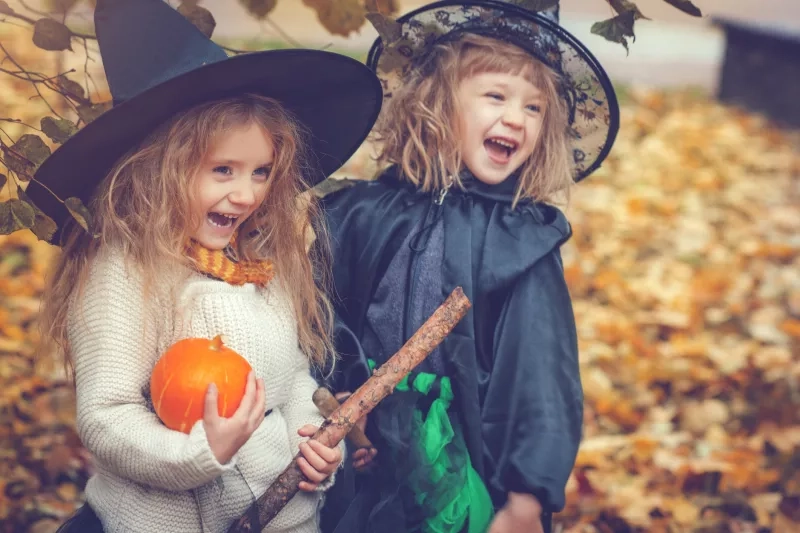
49	34
58	129
15	215
686	6
72	88
199	16
616	29
259	8
43	226
623	6
5	9
79	212
89	112
25	155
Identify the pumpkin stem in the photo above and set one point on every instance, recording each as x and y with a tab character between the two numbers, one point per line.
216	343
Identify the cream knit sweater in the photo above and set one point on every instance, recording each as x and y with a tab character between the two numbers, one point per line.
151	479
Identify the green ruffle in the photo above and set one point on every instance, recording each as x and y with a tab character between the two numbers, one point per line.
469	503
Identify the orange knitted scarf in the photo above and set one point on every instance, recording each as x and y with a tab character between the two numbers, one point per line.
219	265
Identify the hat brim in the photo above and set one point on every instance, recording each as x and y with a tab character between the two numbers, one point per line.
591	100
336	98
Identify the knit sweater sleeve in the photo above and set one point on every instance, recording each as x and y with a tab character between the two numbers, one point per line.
300	410
113	334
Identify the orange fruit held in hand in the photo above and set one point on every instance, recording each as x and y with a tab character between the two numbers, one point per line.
181	377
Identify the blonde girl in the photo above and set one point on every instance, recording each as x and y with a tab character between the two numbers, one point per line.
492	113
192	180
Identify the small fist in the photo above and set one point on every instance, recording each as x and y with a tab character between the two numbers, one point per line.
318	461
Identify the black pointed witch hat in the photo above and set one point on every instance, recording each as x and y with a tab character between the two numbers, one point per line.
157	63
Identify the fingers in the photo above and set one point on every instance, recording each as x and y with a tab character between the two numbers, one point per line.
210	410
321	458
363	457
307	431
313	475
332	456
249	398
308	487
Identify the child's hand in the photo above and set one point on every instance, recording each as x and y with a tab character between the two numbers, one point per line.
318	461
226	435
521	513
362	458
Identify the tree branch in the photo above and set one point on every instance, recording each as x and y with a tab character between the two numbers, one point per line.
30	79
31	21
18	121
32	10
282	33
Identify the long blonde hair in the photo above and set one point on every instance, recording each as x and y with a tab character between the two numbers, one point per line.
142	208
419	127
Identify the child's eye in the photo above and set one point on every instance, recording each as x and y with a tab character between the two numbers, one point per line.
223	169
495	96
535	108
262	172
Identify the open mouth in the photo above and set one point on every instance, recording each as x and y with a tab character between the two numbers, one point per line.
500	149
221	220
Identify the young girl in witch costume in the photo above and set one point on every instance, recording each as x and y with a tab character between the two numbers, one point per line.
492	113
191	180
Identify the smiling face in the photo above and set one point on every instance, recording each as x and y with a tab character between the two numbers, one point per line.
231	183
500	117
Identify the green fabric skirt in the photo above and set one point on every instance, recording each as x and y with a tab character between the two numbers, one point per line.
447	488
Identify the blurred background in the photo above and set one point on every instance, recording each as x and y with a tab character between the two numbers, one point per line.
684	266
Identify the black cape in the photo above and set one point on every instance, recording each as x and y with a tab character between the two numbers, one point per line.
517	389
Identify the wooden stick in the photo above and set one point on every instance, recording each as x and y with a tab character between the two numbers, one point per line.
327	405
376	388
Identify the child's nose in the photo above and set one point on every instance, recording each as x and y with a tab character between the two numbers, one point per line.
243	195
513	117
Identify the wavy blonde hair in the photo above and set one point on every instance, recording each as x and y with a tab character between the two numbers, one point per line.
142	208
418	129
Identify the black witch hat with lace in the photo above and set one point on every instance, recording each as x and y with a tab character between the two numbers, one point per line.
587	89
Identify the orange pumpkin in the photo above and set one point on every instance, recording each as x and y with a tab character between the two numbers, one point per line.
181	377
